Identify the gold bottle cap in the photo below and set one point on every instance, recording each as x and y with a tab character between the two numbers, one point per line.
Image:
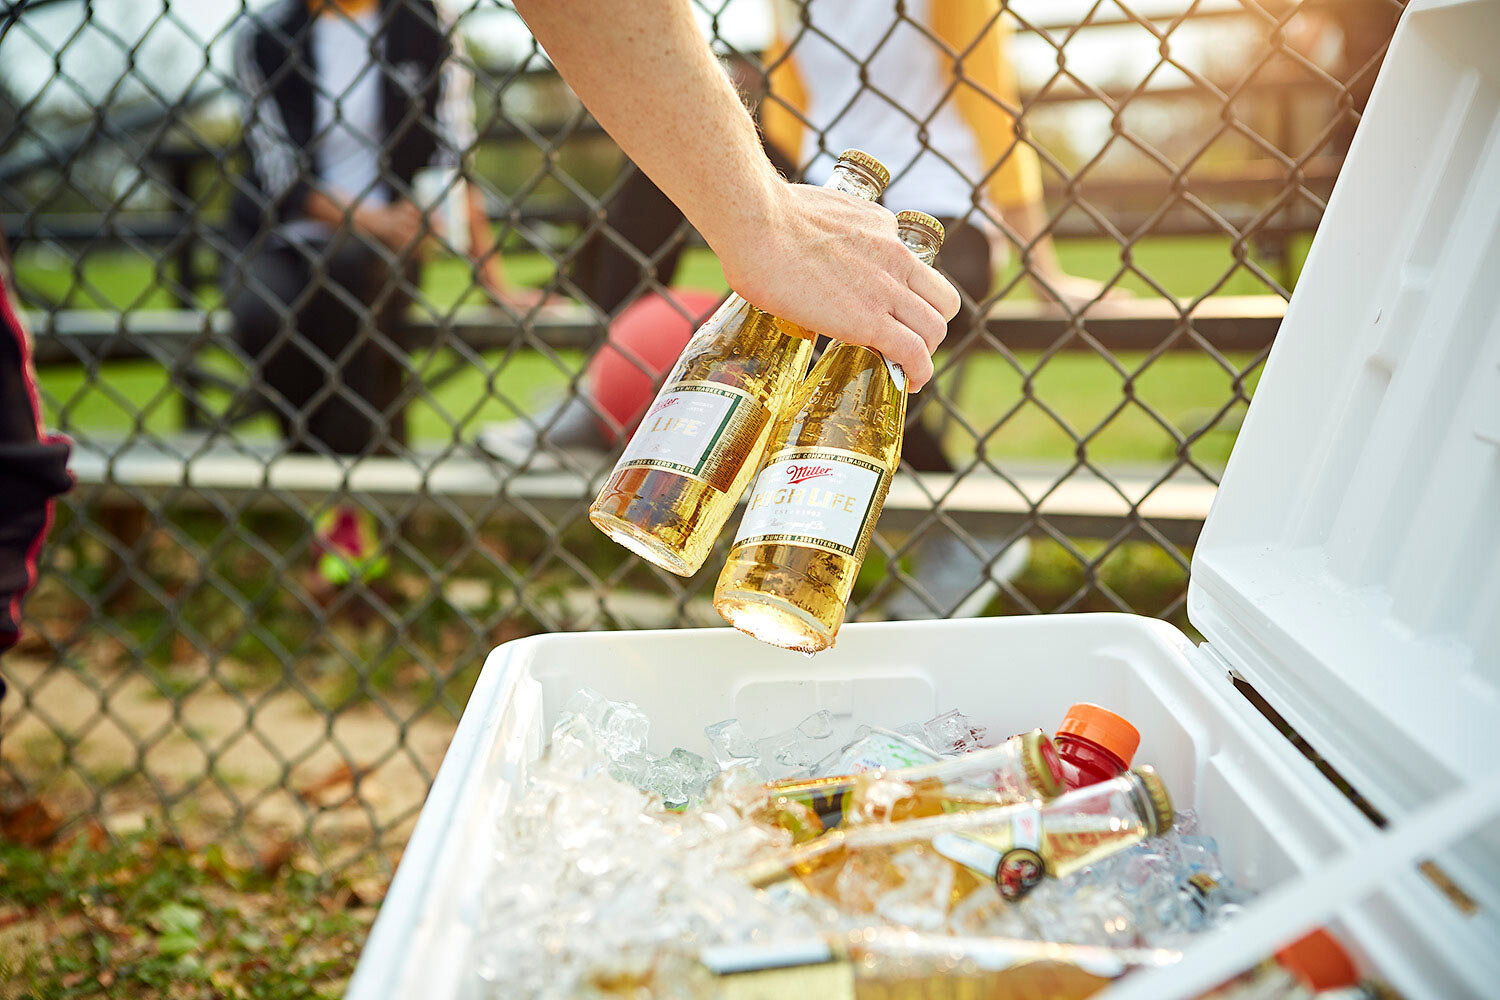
864	161
923	221
1161	814
1039	759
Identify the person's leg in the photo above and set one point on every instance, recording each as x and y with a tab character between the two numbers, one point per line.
346	323
965	259
646	222
639	220
266	297
953	576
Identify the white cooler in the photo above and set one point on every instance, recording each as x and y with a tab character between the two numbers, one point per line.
1349	573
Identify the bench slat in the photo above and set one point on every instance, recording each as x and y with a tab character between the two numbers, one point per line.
1230	323
1081	504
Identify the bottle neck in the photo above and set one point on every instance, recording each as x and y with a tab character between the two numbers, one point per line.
922	242
852	180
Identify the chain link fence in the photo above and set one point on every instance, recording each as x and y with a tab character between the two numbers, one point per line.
184	659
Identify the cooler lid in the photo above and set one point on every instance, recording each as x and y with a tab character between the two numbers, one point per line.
1350	565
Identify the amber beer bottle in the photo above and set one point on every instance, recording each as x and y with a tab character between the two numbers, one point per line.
689	461
1024	767
814	505
1012	847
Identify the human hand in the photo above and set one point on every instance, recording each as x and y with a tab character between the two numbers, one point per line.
492	279
832	263
398	225
1072	291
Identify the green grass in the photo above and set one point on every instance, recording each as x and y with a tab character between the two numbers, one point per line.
1085	392
148	918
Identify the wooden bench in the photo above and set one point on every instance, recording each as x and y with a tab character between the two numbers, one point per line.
1228	323
190	469
199	473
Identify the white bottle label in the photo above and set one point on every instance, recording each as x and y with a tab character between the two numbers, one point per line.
687	422
819	497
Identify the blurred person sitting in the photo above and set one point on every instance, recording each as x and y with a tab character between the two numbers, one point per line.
928	86
346	102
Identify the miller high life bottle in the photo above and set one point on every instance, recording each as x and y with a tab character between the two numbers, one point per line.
813	508
888	963
689	461
1009	847
1022	768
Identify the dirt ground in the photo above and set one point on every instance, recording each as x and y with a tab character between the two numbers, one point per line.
273	753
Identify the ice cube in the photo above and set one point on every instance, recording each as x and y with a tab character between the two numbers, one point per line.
921	900
953	733
618	727
793	753
730	744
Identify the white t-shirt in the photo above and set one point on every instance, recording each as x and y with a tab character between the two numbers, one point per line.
348	123
880	75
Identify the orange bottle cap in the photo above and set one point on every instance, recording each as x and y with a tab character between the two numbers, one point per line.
1319	961
1103	727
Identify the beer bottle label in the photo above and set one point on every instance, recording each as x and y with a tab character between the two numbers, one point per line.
822	498
703	430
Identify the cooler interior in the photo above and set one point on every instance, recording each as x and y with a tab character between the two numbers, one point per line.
1273	815
1011	676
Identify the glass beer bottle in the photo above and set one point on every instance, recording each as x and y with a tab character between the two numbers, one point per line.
701	440
814	504
1012	847
1024	767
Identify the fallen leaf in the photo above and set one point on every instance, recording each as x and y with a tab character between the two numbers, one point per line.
367	892
106	978
274	856
184	650
11	914
30	824
329	789
74	979
94	833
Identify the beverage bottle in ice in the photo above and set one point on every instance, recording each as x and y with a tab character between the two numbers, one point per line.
1023	768
701	440
1094	744
1068	833
1303	969
812	510
884	963
1012	847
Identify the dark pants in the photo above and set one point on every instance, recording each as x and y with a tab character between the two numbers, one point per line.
309	313
644	239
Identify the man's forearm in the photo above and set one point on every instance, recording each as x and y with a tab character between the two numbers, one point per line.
646	74
649	77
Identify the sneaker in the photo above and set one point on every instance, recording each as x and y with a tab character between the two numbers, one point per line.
348	548
564	435
960	583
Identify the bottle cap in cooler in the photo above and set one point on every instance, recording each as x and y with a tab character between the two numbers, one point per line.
923	220
1099	725
1043	769
1319	961
864	161
1159	814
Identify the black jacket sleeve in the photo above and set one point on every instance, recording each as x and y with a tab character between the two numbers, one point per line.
275	159
33	470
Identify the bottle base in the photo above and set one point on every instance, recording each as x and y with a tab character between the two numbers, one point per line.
773	620
647	546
